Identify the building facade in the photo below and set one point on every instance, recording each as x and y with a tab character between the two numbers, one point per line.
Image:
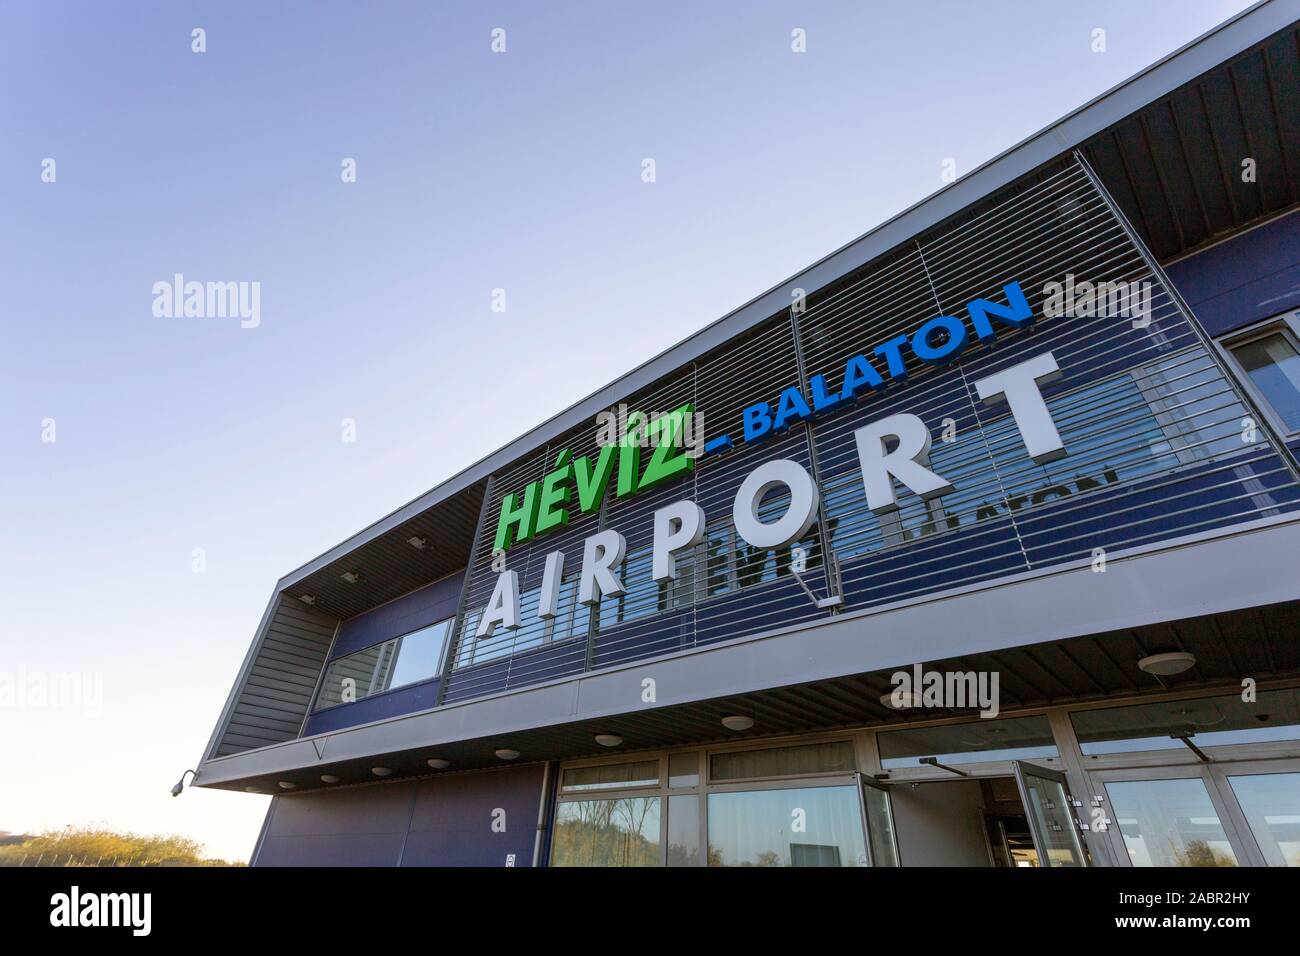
972	544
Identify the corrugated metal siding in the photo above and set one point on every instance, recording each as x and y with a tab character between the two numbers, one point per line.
278	690
1176	167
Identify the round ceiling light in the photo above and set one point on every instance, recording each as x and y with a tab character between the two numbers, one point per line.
907	700
437	763
381	771
609	740
287	785
505	753
737	722
1166	665
328	778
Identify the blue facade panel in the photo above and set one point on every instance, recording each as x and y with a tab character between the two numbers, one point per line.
1251	278
359	826
476	819
429	604
393	703
469	819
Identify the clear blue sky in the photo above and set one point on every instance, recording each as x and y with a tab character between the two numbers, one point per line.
475	171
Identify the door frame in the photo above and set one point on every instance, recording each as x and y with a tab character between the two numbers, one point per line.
1025	768
1225	805
1220	772
866	780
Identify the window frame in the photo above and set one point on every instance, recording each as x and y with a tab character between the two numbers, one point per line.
441	670
1287	324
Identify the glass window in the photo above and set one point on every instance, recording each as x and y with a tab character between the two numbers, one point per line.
833	757
1169	823
622	832
684	770
1273	367
811	826
404	660
1047	804
1271	803
612	776
1007	738
1212	721
684	830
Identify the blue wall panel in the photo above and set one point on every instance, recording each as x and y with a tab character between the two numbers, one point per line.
1248	279
452	823
359	826
442	821
407	613
393	703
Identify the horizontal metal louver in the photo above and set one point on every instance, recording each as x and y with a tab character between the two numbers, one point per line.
278	688
1157	440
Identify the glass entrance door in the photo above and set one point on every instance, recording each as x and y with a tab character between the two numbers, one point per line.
1170	816
878	820
1263	799
1051	815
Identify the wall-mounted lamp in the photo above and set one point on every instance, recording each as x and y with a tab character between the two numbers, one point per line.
180	784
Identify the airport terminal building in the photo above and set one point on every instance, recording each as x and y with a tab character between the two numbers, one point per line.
975	543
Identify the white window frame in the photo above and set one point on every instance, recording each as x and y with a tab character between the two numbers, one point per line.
1288	324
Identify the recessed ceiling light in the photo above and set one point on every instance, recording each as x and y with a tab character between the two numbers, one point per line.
737	722
381	771
505	753
307	599
416	542
328	778
252	790
287	785
437	763
1166	665
609	740
350	576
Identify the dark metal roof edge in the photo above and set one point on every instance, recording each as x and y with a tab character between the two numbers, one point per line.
1236	35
